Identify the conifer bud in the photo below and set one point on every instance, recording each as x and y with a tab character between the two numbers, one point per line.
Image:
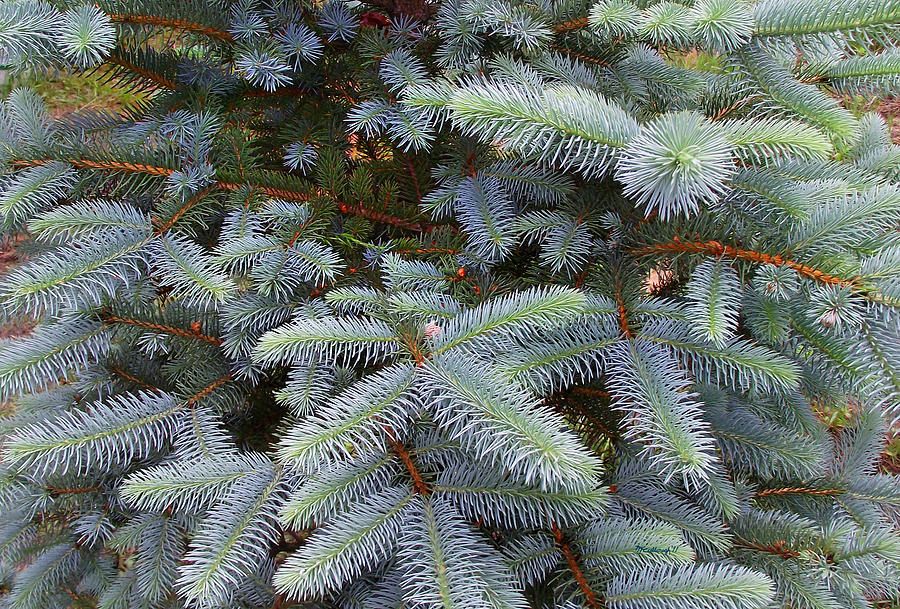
432	330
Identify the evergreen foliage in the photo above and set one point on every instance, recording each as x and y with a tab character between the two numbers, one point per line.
473	304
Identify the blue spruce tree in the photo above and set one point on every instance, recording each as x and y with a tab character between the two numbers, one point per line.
454	304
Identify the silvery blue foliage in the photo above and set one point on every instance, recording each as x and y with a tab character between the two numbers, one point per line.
461	304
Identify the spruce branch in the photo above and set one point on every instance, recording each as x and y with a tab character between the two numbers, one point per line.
275	192
169	22
590	599
375	216
133	379
157	79
302	325
580	56
403	455
109	318
571	25
123	166
800	490
714	248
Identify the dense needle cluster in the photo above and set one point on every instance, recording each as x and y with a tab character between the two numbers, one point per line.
475	304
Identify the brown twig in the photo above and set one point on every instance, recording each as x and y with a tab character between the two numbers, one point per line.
585	58
179	24
279	193
402	453
799	490
378	216
134	379
714	248
107	165
156	78
183	210
572	561
597	393
779	547
164	329
571	25
53	490
623	317
412	173
208	390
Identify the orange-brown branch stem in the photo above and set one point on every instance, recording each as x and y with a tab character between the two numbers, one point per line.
162	81
53	490
402	453
208	389
571	25
184	209
133	379
165	172
107	165
779	547
572	561
178	24
623	316
164	329
377	216
584	58
799	490
714	248
428	250
280	193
